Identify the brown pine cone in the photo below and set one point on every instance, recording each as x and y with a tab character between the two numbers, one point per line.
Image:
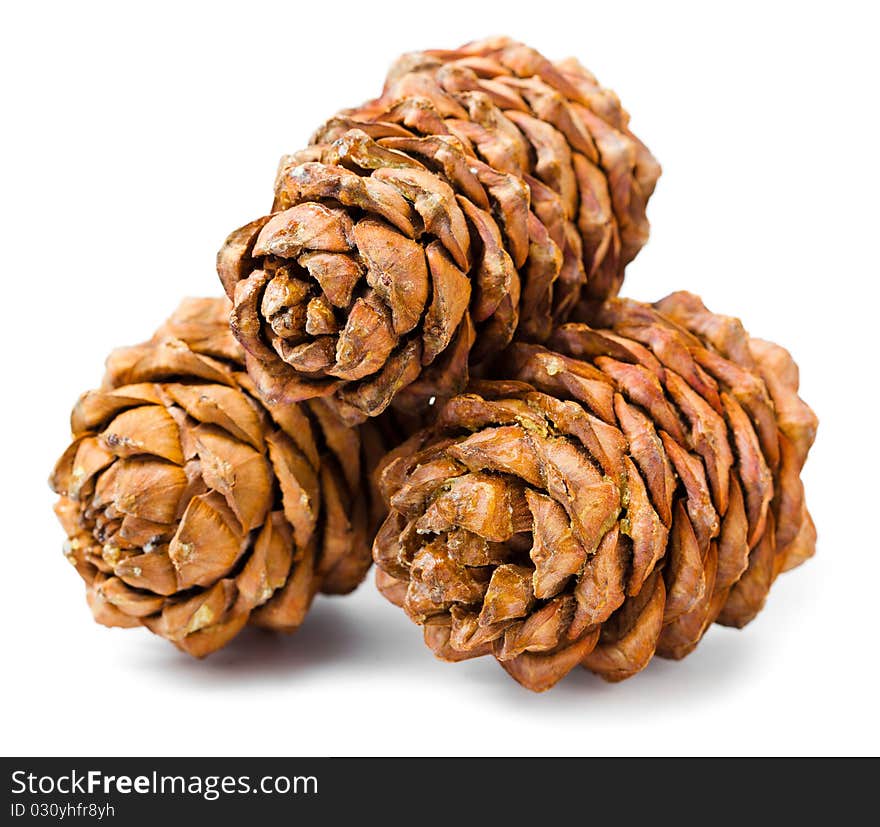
619	493
470	203
192	508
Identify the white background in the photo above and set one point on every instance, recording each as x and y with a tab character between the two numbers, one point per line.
134	140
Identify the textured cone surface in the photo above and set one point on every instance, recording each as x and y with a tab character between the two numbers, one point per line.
193	508
635	480
476	200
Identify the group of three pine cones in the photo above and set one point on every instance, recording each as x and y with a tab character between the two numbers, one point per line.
422	362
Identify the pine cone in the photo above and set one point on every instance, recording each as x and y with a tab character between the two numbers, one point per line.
192	508
420	233
619	493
